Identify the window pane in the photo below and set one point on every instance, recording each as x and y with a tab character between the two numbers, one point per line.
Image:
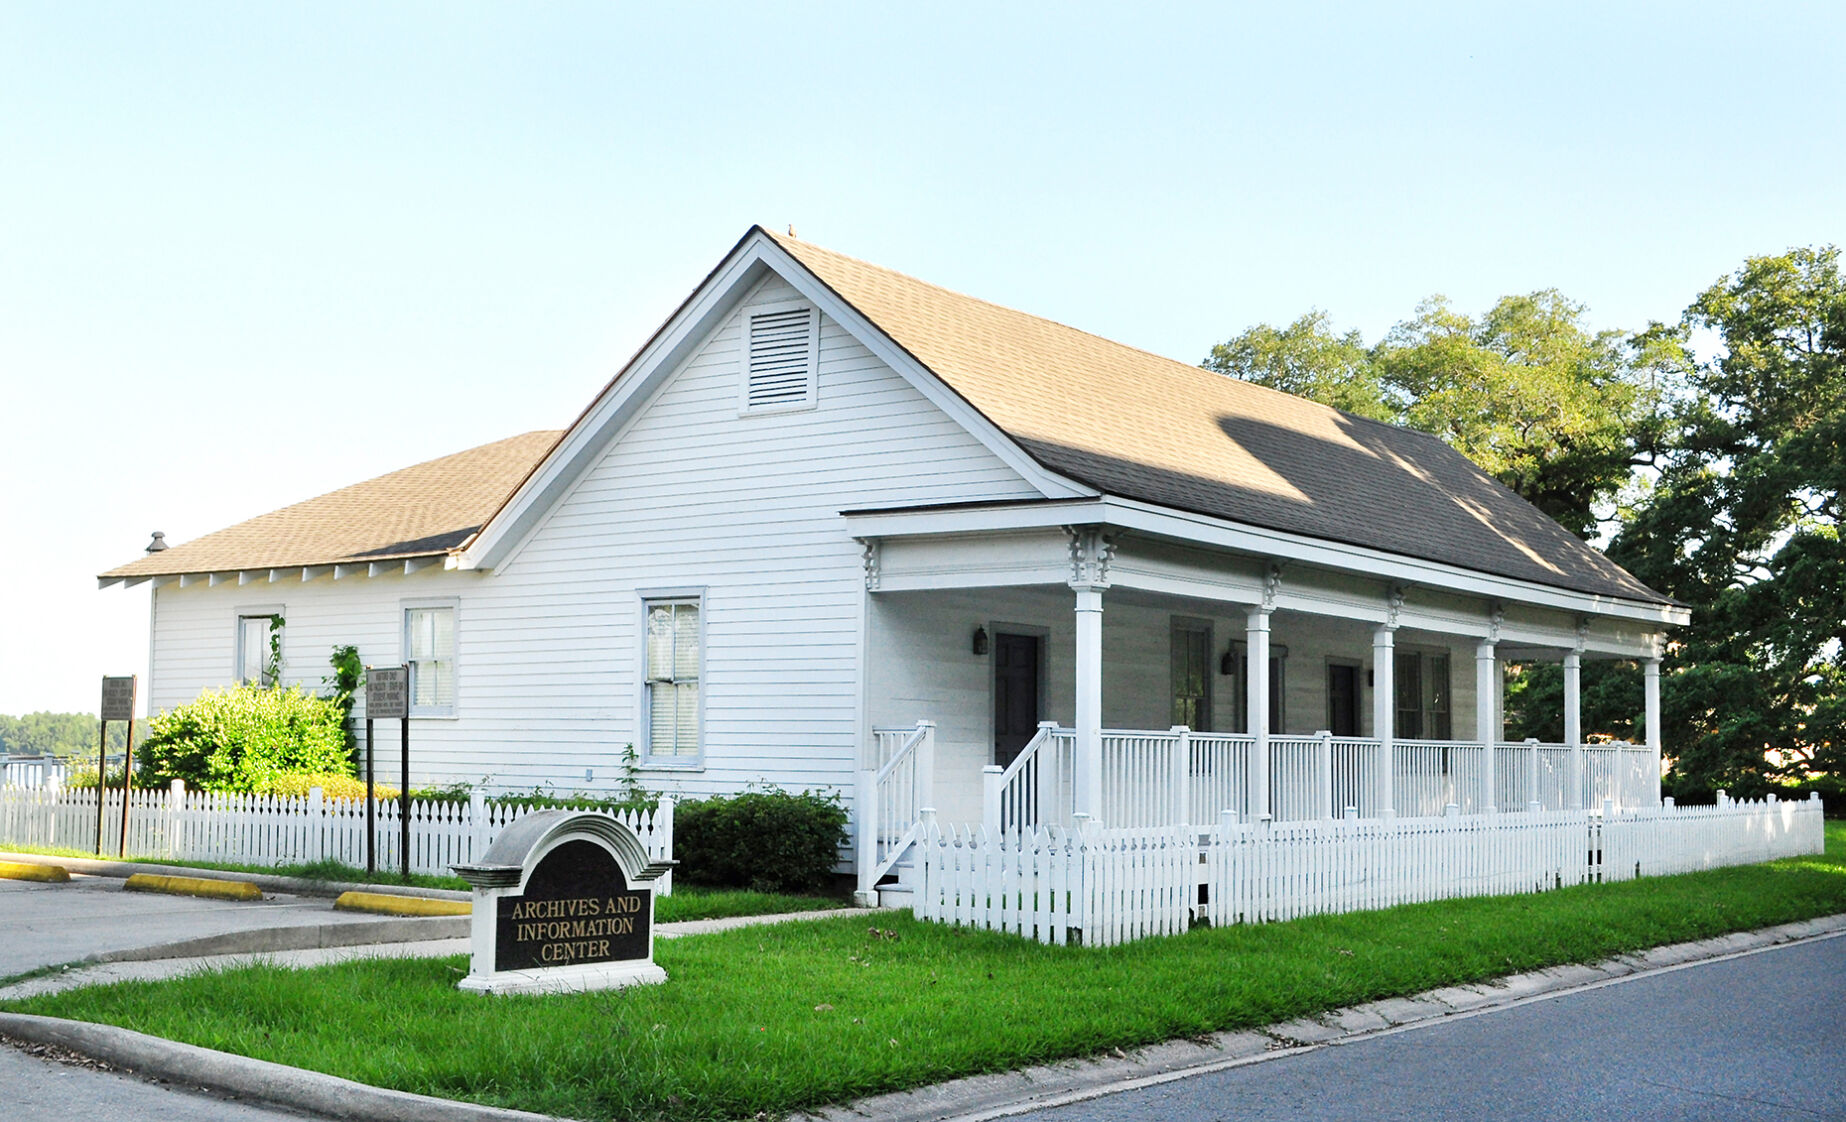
1190	679
660	642
686	725
1439	683
1409	689
253	648
686	642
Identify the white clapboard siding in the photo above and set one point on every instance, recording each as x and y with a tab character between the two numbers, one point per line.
693	494
274	830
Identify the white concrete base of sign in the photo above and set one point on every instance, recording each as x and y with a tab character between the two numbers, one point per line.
566	979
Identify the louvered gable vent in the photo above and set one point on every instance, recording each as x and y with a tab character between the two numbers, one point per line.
780	358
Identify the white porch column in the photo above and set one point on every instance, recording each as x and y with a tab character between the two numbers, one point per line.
1088	763
1090	552
1573	725
1486	694
1384	713
1256	649
1650	690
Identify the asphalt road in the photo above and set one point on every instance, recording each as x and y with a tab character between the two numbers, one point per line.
41	1090
1760	1037
47	924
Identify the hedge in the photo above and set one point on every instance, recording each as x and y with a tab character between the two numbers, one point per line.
765	841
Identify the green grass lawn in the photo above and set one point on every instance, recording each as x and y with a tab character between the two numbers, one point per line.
688	901
798	1015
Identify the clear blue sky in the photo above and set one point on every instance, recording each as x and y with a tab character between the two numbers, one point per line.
253	252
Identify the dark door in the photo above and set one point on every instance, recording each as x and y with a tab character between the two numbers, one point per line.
1343	700
1016	711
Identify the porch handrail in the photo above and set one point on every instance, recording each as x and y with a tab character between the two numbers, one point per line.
1032	789
890	800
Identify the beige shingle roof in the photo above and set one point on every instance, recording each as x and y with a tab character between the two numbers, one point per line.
427	509
1140	426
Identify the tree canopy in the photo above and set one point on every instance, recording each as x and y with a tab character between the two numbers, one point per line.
1558	413
1713	448
56	734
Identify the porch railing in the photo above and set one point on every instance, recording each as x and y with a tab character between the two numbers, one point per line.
898	775
1036	788
1178	776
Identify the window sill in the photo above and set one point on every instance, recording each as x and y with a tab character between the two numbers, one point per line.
670	765
434	717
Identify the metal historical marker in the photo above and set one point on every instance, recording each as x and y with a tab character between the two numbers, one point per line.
118	705
563	901
387	695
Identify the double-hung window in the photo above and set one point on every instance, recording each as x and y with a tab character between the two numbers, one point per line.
1422	683
259	647
674	663
429	650
1191	673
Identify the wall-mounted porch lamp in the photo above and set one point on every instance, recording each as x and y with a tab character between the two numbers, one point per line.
980	640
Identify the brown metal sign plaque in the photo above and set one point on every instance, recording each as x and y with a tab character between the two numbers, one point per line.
387	692
119	699
577	909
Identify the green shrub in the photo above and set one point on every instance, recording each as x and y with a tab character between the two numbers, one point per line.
766	841
242	738
296	784
84	778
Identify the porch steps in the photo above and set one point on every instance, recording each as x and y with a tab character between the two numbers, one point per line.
901	892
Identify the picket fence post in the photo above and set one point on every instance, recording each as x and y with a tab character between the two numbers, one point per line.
663	834
176	804
478	840
317	824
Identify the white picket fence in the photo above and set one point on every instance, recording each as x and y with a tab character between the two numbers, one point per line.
273	830
1102	886
1109	886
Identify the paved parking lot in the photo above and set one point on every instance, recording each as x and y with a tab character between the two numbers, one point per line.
47	924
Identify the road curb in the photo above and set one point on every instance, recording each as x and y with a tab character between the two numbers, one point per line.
981	1097
268	882
31	870
259	1080
208	888
391	904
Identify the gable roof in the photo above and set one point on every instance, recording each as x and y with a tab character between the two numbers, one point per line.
1140	426
424	510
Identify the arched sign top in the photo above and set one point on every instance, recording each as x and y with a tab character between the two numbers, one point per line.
516	850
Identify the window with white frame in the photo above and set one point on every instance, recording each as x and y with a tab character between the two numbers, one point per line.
1190	643
429	651
781	356
674	661
259	647
1421	680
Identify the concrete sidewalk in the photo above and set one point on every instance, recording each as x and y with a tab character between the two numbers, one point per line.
90	917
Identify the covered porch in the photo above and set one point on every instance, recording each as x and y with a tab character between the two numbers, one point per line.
1221	684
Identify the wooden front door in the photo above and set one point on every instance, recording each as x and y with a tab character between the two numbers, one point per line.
1016	700
1342	699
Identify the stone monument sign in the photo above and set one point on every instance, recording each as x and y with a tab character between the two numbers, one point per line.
563	901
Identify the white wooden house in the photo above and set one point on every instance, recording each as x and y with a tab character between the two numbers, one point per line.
836	527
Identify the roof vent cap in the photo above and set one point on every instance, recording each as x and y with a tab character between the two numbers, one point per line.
159	543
